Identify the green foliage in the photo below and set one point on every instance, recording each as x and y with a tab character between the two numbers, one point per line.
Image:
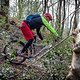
58	60
2	20
13	54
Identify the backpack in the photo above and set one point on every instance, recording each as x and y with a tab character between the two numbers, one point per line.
30	17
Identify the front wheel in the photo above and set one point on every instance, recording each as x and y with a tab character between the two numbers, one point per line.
11	49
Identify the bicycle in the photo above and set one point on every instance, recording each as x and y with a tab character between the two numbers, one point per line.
12	48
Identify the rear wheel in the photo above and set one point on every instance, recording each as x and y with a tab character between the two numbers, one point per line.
11	49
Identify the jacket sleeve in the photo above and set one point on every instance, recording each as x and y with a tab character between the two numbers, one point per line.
39	33
48	26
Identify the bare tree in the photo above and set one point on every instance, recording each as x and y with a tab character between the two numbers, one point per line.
4	9
76	18
45	6
64	14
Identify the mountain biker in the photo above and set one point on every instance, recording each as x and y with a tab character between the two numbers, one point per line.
35	23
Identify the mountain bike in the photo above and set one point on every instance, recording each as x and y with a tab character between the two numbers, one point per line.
12	48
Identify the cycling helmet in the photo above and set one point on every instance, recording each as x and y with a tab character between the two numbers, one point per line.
48	15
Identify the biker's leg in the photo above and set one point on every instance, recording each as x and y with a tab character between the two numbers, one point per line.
27	45
28	35
30	49
22	43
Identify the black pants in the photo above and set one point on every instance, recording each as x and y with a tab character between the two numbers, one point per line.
26	45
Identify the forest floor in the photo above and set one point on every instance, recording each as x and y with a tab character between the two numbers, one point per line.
36	67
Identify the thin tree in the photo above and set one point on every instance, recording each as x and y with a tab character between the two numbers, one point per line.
64	13
4	9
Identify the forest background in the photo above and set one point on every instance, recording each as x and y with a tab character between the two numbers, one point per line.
54	65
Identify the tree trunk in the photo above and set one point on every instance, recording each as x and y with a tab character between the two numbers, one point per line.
20	8
62	29
4	9
58	16
45	6
75	23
